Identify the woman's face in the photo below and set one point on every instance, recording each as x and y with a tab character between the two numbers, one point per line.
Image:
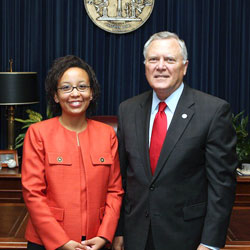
73	102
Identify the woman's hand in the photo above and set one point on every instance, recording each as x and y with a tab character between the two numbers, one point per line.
71	245
94	243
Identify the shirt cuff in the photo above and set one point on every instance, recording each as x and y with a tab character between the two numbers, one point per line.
212	248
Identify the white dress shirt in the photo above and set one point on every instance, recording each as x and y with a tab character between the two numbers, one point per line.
171	102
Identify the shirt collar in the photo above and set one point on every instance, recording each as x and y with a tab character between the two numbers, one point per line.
171	101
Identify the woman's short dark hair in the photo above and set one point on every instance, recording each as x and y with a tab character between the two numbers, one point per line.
59	66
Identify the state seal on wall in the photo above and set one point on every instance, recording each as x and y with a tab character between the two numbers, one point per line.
119	16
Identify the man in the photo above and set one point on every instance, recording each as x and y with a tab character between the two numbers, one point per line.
185	201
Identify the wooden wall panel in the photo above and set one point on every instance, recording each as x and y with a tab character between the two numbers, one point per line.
14	215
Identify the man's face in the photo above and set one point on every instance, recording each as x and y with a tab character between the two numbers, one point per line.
164	66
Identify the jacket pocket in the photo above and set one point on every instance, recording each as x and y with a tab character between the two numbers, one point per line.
194	211
58	213
59	158
101	159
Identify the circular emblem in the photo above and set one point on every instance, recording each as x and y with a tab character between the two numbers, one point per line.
184	116
119	16
59	159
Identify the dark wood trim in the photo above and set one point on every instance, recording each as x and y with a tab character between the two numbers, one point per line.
13	221
238	236
14	215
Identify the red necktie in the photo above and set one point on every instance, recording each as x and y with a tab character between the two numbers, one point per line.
158	135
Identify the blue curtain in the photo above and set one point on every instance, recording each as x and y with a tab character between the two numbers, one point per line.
216	32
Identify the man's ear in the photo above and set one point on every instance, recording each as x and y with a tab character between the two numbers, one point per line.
185	67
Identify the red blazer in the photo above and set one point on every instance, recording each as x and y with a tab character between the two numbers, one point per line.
51	180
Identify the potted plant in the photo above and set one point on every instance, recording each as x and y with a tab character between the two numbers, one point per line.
33	118
240	124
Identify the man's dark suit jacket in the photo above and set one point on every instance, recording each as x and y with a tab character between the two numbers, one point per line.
190	197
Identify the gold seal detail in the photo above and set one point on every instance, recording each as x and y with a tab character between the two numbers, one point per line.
119	16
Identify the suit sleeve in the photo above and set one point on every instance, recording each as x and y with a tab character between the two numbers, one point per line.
34	192
123	165
221	163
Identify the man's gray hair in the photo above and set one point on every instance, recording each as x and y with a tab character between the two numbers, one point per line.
166	35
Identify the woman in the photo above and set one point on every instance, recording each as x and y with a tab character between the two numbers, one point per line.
70	171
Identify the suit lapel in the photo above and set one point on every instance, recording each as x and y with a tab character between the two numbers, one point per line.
182	116
142	127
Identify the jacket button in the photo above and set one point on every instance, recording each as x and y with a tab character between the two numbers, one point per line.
59	159
152	187
101	159
146	214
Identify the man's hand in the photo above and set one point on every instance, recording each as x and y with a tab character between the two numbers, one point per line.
71	245
118	243
94	243
201	247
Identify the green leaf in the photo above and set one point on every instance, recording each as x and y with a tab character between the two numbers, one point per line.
34	115
24	121
27	125
33	118
19	140
19	137
240	124
18	145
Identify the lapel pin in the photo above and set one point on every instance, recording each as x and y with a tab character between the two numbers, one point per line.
59	159
184	116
